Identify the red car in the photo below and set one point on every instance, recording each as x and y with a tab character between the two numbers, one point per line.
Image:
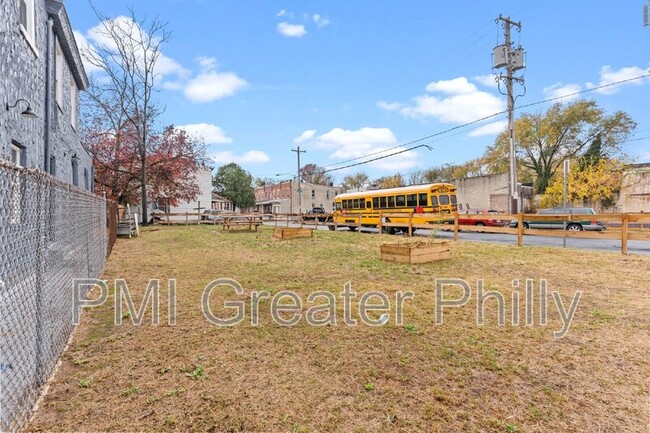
481	222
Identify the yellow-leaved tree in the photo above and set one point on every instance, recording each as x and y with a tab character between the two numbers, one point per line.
588	184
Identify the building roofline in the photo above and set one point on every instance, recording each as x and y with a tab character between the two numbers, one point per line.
63	29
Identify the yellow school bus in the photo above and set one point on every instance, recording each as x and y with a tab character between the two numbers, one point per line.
419	200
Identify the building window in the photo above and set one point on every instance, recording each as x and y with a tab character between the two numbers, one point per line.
327	194
27	25
17	155
75	170
58	76
73	104
86	183
53	165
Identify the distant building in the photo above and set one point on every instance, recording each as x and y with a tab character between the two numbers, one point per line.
635	190
203	200
221	203
283	197
42	71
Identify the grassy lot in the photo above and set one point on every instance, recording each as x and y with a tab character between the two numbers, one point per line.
196	376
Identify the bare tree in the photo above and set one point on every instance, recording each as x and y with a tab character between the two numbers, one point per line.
355	181
124	92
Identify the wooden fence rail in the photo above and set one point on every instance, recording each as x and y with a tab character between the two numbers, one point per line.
623	227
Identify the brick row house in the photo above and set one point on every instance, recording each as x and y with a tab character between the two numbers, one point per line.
286	197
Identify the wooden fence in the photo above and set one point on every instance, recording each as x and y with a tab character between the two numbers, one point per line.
623	227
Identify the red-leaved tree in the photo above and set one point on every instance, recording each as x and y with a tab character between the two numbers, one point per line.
173	159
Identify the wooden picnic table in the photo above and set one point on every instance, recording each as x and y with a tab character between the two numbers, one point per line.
230	221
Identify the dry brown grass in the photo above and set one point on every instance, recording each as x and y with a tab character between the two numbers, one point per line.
454	377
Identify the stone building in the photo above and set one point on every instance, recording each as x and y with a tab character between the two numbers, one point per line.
41	73
287	197
635	190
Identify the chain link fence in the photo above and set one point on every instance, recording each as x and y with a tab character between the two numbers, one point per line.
50	233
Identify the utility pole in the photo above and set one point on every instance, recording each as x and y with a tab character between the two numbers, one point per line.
298	152
512	60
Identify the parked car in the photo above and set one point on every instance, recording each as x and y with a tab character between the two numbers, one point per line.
590	224
212	215
482	222
315	213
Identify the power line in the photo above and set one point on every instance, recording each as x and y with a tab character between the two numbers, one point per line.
473	122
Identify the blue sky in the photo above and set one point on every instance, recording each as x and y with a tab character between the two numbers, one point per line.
349	78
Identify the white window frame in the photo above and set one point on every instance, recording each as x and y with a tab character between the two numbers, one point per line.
15	198
16	155
74	106
28	28
58	73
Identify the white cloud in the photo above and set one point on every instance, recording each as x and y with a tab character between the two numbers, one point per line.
291	30
487	81
85	49
493	128
455	86
305	136
211	134
559	90
346	144
252	157
211	85
101	36
450	101
609	76
320	20
206	86
390	106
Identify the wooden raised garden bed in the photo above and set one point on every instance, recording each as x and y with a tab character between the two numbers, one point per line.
416	252
292	233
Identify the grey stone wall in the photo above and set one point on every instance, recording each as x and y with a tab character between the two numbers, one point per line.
23	75
635	191
483	192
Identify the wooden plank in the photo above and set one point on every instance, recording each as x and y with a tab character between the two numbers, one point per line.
559	233
638	236
639	217
488	229
624	233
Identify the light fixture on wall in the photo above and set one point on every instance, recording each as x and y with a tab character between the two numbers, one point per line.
27	112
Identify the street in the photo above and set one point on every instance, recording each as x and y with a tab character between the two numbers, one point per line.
633	247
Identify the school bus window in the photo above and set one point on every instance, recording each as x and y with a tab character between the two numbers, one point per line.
444	199
391	201
382	202
400	201
362	203
368	204
453	199
355	203
434	200
375	202
412	200
423	200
